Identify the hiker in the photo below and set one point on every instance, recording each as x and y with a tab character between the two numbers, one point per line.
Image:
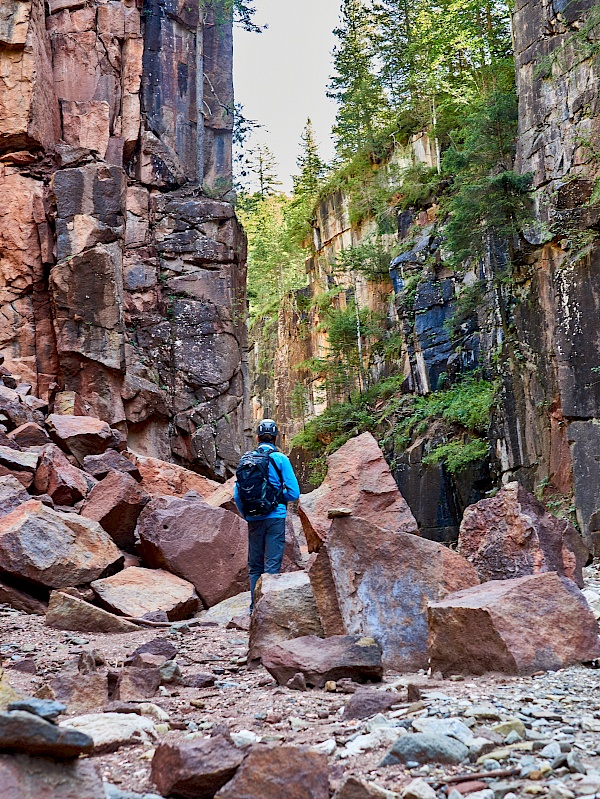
265	484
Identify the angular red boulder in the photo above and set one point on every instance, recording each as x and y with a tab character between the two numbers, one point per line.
513	535
194	769
58	478
205	545
358	480
160	478
323	659
29	434
135	592
80	435
99	466
52	548
376	582
275	772
519	626
116	503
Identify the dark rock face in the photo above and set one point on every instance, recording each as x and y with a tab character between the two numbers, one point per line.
134	301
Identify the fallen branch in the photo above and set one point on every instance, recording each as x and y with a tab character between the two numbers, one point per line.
482	775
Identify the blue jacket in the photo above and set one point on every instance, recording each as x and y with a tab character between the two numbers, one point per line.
292	489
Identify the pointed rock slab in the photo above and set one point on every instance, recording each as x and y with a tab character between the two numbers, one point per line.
12	494
80	435
116	503
59	479
359	479
160	478
274	772
513	535
323	659
24	777
111	731
135	591
52	548
376	582
195	769
520	626
284	608
99	466
25	732
207	546
66	612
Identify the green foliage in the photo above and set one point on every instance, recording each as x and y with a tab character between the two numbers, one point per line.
394	418
275	263
457	455
488	200
369	258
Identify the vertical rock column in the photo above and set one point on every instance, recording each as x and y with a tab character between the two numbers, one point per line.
553	399
120	278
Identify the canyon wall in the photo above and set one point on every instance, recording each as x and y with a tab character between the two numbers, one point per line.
122	264
525	315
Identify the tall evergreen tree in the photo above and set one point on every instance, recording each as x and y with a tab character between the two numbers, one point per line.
355	86
312	167
263	166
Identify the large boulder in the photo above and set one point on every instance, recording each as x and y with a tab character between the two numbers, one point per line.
135	592
160	478
21	600
519	626
52	548
284	608
324	659
359	481
205	545
24	776
116	503
194	769
66	612
59	479
375	582
274	772
513	535
29	434
80	435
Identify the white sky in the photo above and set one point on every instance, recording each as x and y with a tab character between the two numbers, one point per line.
281	76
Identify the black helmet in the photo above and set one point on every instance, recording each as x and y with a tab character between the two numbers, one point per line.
267	428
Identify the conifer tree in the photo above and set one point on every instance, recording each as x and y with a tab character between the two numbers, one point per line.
355	86
263	166
312	167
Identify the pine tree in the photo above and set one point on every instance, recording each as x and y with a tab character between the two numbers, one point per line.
263	166
312	167
356	87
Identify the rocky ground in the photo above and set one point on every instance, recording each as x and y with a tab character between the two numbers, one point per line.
535	735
